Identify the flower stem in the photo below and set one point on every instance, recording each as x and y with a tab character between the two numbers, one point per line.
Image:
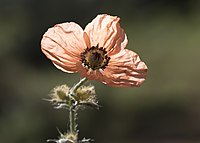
72	105
72	115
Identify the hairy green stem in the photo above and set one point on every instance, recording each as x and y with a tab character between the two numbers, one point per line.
72	106
72	115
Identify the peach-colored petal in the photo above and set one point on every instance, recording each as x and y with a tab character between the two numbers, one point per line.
87	39
90	74
63	44
105	30
67	45
125	70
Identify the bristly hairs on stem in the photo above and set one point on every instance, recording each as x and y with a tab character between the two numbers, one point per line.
73	99
72	106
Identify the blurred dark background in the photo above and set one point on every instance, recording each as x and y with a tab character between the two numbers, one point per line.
165	109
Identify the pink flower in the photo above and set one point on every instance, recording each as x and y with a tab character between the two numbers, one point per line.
97	53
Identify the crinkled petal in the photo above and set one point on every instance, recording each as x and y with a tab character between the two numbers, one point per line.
125	69
106	32
62	44
90	74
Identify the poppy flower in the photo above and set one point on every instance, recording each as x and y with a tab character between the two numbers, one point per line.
97	53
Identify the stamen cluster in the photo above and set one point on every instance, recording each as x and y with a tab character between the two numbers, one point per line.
95	58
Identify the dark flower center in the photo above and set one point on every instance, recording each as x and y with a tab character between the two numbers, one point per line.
95	58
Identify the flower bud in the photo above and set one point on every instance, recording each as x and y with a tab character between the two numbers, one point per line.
59	94
86	93
70	137
86	97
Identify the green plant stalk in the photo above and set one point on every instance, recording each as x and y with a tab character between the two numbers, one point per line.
72	106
